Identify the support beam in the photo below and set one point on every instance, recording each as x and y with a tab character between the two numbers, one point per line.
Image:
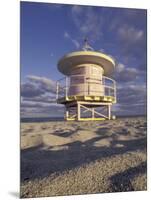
67	114
57	91
109	112
94	103
66	88
78	111
106	117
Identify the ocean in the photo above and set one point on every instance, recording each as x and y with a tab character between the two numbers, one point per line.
52	119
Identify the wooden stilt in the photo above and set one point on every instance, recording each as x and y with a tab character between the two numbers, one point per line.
78	111
109	111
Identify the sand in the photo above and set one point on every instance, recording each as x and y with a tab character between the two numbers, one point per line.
67	158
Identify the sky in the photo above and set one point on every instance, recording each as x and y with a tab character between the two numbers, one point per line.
49	31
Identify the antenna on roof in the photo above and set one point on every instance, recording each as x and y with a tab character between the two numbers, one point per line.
86	46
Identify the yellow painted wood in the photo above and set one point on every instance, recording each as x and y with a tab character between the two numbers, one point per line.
65	100
85	119
71	60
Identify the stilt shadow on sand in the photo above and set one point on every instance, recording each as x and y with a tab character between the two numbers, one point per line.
121	182
38	162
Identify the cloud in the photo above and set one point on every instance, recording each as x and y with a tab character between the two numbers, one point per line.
131	100
76	9
130	34
30	90
53	7
127	74
129	110
120	67
135	16
37	109
132	94
87	22
45	84
128	27
66	35
33	104
102	50
36	86
45	98
38	97
131	91
127	16
132	43
75	42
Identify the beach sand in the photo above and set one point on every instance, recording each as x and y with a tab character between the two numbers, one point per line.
67	158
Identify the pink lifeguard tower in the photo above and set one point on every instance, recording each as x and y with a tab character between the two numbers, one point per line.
87	91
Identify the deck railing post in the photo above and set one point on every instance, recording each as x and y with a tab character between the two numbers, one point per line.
78	111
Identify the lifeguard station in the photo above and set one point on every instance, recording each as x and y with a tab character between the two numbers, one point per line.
87	91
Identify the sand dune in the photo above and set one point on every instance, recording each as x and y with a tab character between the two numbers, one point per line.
62	158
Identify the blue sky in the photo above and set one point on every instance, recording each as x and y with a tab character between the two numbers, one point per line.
48	31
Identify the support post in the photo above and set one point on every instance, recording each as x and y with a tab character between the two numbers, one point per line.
67	114
109	111
115	90
78	111
66	87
